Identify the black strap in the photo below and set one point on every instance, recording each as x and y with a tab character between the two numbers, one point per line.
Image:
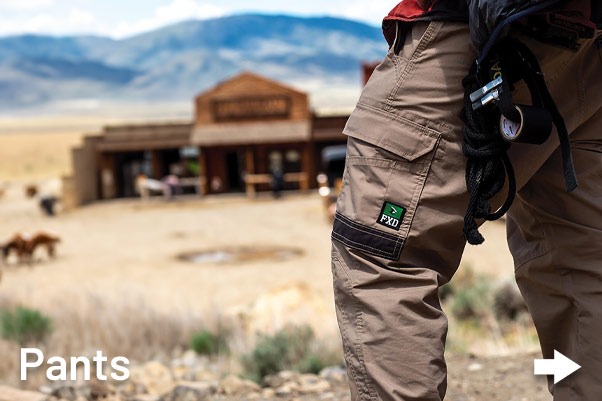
524	61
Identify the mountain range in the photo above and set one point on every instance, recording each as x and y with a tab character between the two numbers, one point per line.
176	62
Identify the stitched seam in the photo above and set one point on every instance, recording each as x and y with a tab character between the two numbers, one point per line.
350	223
384	163
346	344
366	248
429	34
410	63
425	130
341	236
363	386
397	242
418	190
388	105
338	235
388	113
360	354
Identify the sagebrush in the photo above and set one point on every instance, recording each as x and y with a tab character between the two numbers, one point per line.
25	326
292	348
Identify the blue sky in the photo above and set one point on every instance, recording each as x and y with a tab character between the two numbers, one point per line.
124	18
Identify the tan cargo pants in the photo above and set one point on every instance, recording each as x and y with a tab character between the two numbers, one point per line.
398	236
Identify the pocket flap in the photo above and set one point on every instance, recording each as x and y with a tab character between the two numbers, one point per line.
396	134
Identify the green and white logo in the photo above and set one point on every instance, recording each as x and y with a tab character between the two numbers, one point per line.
391	215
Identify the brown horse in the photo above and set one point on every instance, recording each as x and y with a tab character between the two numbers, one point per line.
24	246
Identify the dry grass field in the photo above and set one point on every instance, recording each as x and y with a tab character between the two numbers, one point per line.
38	147
36	156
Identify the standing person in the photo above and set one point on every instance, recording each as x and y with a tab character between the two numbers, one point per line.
277	182
426	163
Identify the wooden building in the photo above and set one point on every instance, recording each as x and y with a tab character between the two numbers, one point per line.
250	129
246	131
107	164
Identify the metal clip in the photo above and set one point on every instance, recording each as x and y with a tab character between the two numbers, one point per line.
487	94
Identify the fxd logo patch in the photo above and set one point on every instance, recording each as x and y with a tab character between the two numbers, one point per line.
391	215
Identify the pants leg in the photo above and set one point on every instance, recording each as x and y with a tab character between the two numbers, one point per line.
397	234
556	237
558	242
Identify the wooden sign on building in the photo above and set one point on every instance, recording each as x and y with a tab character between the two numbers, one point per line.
252	108
246	127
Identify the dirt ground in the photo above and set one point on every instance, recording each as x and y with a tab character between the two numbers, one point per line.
499	378
128	251
131	248
134	244
472	378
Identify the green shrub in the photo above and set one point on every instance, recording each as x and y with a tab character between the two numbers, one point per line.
267	357
471	296
25	326
288	349
312	363
205	342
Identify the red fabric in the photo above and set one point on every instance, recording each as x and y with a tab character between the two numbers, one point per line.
409	10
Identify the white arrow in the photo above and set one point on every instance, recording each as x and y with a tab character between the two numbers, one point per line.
560	366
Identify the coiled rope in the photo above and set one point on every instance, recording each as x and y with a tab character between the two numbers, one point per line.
487	165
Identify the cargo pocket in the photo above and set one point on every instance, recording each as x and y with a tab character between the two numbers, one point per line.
385	173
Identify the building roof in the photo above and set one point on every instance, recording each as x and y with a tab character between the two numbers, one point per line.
145	136
246	82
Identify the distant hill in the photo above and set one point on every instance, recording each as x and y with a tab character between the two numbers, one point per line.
176	62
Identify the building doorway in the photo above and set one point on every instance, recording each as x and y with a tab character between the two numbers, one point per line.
235	162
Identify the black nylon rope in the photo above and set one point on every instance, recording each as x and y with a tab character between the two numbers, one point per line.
487	163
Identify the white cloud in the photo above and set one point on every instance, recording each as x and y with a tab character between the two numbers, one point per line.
370	11
73	22
69	16
175	11
182	9
24	4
